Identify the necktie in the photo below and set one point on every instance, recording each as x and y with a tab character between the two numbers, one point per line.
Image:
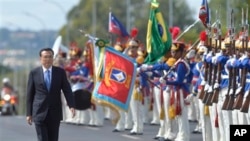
47	79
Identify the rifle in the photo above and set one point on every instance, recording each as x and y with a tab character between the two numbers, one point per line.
245	106
228	101
240	96
233	80
207	66
213	97
246	29
207	94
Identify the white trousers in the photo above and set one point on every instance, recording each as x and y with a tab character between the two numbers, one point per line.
227	117
215	130
120	125
97	116
156	105
137	115
183	133
220	115
128	119
170	125
205	123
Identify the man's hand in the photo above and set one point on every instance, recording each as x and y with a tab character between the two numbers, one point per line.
73	112
29	120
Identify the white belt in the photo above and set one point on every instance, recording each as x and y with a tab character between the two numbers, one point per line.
77	86
224	76
248	80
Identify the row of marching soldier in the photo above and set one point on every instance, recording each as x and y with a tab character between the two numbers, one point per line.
216	77
212	77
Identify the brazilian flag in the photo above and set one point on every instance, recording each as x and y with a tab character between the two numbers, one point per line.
159	39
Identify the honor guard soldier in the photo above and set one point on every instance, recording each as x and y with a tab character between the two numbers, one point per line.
181	83
136	99
161	93
70	66
196	81
144	83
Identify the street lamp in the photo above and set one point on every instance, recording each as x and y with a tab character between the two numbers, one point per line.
64	12
41	22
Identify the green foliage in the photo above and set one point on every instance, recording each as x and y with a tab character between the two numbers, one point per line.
224	8
4	69
82	17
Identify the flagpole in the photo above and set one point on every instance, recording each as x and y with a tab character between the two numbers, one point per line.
110	34
186	30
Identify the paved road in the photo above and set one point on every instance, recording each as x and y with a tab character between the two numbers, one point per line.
15	128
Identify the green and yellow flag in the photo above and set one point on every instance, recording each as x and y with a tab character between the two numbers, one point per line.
159	38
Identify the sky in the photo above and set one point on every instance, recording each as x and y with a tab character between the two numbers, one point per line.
35	14
42	14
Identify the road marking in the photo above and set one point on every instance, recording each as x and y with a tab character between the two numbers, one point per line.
131	137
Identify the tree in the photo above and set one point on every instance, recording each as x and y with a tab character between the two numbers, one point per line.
224	8
81	17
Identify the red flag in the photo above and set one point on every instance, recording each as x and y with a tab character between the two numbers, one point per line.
204	13
116	27
119	77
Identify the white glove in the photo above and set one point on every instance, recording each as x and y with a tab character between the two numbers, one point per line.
138	70
231	91
203	83
162	80
210	89
216	85
214	60
206	87
238	90
189	98
144	67
232	61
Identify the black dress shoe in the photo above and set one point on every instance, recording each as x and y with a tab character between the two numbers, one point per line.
193	121
154	124
156	138
116	130
127	129
161	139
134	133
196	132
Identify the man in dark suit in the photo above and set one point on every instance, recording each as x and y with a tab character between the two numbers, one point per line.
44	106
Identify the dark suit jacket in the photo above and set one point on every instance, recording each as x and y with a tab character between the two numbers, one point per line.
40	101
